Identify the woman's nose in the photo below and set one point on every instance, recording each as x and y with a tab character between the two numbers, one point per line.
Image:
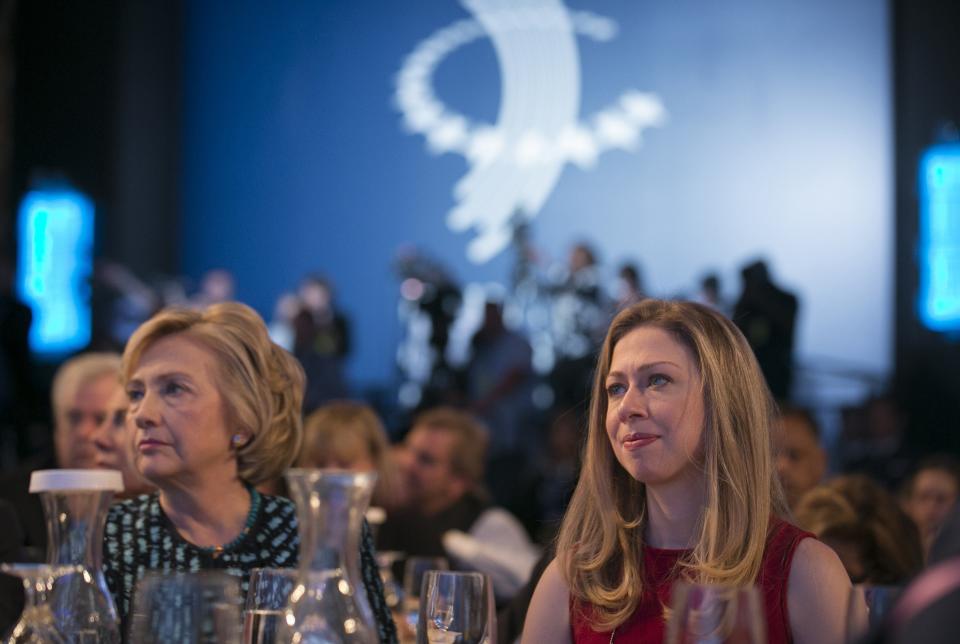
632	405
145	411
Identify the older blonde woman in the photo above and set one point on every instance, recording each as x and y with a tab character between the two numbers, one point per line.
216	406
678	482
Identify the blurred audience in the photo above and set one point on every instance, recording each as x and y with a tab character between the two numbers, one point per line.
349	435
801	460
448	512
83	389
930	494
872	441
863	523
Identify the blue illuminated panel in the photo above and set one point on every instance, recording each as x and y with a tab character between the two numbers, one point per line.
55	263
939	253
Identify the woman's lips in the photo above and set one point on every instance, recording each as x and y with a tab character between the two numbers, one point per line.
148	444
637	441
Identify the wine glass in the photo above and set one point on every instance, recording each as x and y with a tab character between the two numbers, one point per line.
186	607
868	607
413	573
456	607
707	614
266	603
37	624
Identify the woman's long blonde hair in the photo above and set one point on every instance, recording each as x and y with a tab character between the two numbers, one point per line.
601	540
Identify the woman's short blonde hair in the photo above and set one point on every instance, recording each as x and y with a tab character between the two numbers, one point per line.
261	384
344	432
601	540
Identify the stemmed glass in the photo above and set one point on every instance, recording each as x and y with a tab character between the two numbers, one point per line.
266	603
705	614
413	572
37	624
186	607
456	608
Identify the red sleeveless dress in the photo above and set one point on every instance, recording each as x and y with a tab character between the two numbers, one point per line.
646	625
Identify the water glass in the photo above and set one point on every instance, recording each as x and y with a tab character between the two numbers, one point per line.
413	572
705	614
186	607
266	603
456	608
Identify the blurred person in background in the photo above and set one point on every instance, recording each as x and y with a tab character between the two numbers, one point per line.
499	385
321	342
873	441
217	285
114	447
82	391
899	554
801	460
829	515
710	294
217	408
349	435
929	496
448	513
767	316
629	289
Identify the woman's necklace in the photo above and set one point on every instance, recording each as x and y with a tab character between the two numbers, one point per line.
613	634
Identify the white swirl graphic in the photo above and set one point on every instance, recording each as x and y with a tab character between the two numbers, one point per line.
516	163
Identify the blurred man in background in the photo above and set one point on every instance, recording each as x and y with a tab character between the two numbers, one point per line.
801	460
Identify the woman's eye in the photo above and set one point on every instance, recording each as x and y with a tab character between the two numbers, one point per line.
658	379
173	388
133	395
615	389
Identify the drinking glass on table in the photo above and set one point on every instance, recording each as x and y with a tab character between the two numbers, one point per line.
705	614
456	608
186	608
266	603
413	573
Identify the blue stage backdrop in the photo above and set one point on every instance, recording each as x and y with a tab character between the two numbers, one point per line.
777	143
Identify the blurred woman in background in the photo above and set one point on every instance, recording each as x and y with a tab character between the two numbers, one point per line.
348	435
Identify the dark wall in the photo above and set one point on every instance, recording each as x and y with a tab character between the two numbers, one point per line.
926	46
96	102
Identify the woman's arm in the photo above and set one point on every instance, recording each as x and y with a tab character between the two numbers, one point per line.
548	618
818	595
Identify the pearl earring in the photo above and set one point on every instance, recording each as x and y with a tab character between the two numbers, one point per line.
237	440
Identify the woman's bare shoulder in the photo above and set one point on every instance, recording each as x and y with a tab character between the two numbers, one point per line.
548	619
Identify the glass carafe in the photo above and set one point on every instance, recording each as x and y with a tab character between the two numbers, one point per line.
329	603
36	624
75	503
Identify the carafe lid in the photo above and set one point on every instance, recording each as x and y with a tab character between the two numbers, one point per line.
76	480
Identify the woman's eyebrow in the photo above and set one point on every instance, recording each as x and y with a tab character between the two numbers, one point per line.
644	367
